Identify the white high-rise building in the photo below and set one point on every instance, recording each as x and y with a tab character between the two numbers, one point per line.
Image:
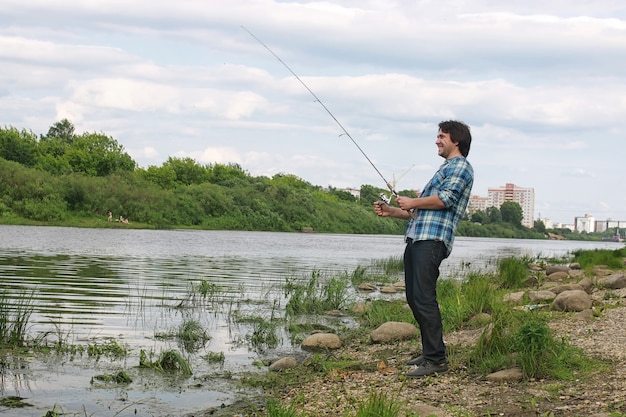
525	197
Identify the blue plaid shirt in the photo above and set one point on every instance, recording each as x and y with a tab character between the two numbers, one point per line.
453	184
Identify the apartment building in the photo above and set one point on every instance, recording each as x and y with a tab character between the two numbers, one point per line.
525	197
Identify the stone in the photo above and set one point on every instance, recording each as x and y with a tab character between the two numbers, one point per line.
573	300
566	287
514	297
388	289
550	269
585	315
542	295
586	284
284	363
367	287
613	281
558	276
321	342
506	375
393	331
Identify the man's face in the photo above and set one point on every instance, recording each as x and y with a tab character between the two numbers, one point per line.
445	146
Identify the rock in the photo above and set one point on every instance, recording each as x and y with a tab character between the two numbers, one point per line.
566	287
480	319
284	363
531	281
360	308
585	315
367	287
573	300
429	410
551	269
393	331
549	285
613	281
574	265
576	273
543	295
586	284
321	341
506	375
388	289
400	285
514	297
558	276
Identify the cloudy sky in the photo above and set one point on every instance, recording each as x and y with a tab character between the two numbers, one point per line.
541	83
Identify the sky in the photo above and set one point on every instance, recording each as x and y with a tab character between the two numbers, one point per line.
542	84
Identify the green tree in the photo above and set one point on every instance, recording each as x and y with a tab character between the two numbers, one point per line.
18	146
493	215
63	130
187	170
539	226
512	213
97	154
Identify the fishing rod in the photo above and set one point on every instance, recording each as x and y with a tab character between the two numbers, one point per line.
345	132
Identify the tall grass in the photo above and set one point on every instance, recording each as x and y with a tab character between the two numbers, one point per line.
318	295
15	313
512	272
611	258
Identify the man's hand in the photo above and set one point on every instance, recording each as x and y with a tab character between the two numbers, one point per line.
382	209
405	203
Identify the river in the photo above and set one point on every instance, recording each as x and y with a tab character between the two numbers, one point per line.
94	285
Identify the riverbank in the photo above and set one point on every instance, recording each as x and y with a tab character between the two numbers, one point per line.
597	390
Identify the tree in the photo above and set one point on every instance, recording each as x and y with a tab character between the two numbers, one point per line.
539	226
512	213
18	146
97	154
493	215
63	129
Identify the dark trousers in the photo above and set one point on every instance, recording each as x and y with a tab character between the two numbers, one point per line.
421	271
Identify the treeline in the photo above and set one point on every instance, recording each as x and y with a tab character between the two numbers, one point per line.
67	178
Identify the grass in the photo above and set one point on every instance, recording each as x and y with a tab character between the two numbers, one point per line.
318	295
169	360
192	336
590	258
15	313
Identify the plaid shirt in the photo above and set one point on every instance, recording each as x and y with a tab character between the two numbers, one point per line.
453	184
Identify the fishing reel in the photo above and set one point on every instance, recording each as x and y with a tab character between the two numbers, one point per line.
385	198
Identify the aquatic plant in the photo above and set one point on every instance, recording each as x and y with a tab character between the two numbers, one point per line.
169	360
191	335
15	313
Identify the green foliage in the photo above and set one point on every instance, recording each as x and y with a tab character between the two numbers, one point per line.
379	404
512	272
382	311
15	313
318	295
192	336
275	409
512	213
611	258
169	360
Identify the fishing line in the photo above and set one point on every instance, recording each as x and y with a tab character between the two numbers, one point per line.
345	132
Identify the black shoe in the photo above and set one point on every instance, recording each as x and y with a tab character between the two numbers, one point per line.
416	361
428	368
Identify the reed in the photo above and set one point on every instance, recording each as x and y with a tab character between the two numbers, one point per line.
15	314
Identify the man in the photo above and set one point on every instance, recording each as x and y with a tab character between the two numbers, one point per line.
433	218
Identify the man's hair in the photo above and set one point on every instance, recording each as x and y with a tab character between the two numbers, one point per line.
459	133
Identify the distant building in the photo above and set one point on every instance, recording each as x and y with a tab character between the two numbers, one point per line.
585	223
477	203
609	224
525	197
546	222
